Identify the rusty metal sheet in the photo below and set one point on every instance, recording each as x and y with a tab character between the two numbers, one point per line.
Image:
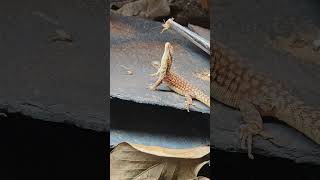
135	43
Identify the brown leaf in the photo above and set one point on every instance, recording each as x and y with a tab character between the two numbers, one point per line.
202	178
134	161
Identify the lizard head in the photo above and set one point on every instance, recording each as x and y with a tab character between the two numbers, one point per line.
169	48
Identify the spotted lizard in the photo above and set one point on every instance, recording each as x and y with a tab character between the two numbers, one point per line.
176	82
256	95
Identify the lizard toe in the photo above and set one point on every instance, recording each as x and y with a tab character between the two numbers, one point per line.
246	139
187	107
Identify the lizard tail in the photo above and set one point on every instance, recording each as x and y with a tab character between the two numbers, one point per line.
304	118
200	96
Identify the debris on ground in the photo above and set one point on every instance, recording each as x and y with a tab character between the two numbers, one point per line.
60	35
128	70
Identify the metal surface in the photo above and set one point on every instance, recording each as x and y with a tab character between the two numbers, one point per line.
157	125
135	43
193	37
159	117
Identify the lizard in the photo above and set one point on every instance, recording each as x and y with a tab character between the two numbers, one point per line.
235	84
175	82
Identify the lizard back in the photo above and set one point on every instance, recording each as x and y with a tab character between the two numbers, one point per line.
233	81
183	87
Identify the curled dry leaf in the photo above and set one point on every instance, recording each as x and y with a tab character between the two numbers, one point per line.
199	178
133	161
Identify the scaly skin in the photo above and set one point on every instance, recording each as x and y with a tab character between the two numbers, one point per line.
176	82
255	95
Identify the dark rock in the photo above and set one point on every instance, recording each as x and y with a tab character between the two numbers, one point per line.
143	8
54	81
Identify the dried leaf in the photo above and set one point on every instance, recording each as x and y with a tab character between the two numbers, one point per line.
203	178
133	161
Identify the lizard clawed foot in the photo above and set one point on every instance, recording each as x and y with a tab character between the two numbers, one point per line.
187	106
188	102
247	132
246	139
152	88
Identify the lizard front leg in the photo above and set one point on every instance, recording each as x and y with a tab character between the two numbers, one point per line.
158	82
253	125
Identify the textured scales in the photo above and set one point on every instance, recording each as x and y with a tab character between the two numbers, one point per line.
255	95
176	82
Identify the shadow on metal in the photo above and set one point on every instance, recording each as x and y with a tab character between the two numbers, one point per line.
157	125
